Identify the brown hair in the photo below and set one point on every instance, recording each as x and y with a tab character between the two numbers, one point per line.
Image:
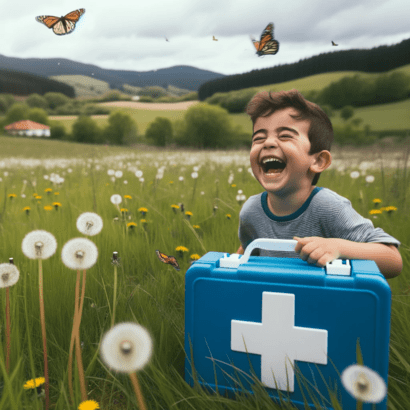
320	132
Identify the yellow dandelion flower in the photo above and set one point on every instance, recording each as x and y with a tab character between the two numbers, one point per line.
171	182
181	249
56	204
142	210
38	197
48	190
195	257
143	221
35	195
56	193
27	209
390	209
383	208
12	195
88	405
48	208
33	383
377	201
107	184
196	227
131	225
233	185
175	206
124	210
127	197
375	211
188	213
228	216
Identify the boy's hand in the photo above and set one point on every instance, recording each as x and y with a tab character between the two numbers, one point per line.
317	250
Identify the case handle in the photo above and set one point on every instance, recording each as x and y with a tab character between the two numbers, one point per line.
233	261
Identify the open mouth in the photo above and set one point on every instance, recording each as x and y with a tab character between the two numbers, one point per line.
273	166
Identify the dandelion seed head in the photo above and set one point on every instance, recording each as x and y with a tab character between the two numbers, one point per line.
354	174
370	178
79	253
89	223
138	174
181	178
364	384
126	348
194	175
9	275
118	174
116	199
110	172
39	244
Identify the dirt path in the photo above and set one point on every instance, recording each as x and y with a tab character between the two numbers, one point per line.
151	106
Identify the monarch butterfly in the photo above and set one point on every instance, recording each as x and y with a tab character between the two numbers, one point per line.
62	25
215	39
266	45
168	259
334	44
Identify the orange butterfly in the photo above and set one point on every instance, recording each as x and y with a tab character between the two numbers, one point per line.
168	259
266	45
62	25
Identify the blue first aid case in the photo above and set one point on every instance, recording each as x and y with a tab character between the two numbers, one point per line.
291	325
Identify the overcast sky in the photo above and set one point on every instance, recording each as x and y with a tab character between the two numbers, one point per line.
130	34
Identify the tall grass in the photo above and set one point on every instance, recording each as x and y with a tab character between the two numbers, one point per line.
149	292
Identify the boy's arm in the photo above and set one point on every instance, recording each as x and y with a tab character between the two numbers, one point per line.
240	250
321	250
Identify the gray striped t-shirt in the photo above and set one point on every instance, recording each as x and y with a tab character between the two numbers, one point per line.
324	213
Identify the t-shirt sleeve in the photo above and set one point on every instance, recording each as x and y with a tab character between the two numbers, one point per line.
348	224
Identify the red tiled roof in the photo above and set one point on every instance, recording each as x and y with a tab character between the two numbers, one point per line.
26	125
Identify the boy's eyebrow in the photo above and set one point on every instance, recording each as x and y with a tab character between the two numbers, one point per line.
280	129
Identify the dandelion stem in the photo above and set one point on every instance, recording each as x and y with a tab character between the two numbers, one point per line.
70	354
115	296
80	366
43	331
7	331
137	390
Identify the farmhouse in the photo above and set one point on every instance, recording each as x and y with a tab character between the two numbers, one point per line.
28	128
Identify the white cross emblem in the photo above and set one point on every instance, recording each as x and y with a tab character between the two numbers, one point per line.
276	339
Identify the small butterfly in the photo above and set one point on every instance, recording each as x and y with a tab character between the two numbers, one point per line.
64	24
334	44
266	45
168	259
215	39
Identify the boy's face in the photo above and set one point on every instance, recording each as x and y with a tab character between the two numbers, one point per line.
281	136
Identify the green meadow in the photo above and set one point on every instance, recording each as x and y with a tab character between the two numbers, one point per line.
149	292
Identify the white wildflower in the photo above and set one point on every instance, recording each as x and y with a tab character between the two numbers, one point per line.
39	245
89	223
116	199
9	275
79	253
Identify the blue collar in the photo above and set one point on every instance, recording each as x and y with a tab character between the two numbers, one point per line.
264	202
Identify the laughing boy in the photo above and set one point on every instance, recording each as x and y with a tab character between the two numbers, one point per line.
291	144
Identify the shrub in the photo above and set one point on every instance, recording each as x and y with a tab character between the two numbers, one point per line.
347	112
55	100
206	127
85	129
38	115
16	112
57	131
37	101
160	131
121	129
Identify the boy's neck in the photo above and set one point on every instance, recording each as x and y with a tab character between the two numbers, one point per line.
283	206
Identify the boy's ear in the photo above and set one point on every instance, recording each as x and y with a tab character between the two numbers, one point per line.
323	161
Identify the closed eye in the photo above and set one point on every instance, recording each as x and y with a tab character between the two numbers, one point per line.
280	136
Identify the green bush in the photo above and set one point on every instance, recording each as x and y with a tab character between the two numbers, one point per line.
85	129
55	100
17	112
121	129
351	134
347	112
37	101
57	131
6	101
38	115
160	131
205	126
236	101
92	109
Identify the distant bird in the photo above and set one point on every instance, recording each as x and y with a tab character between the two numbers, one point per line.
215	39
64	24
334	44
166	39
267	44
